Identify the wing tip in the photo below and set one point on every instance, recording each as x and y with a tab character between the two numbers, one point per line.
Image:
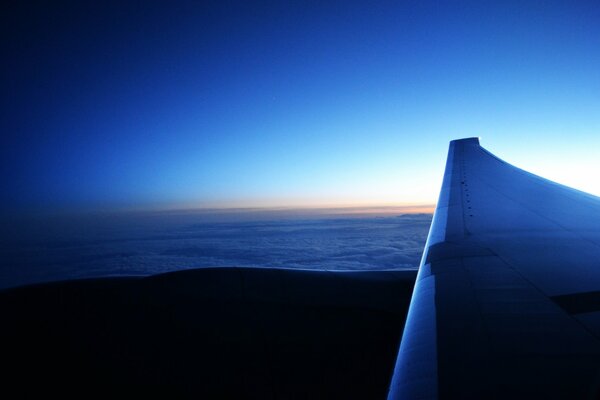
469	140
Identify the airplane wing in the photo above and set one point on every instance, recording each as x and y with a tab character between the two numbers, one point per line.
213	333
507	299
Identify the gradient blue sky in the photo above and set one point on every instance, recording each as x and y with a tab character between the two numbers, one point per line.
245	104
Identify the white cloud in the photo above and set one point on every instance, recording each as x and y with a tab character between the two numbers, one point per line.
334	244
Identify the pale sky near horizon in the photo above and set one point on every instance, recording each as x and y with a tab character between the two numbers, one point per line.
289	104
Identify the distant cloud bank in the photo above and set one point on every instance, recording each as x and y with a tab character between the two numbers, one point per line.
150	244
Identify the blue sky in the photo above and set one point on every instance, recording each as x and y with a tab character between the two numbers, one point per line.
229	104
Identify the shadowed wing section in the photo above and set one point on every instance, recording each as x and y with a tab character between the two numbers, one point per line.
507	300
210	333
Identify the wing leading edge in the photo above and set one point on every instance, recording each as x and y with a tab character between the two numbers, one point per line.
507	299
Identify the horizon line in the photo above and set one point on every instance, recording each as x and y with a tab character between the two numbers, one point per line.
308	210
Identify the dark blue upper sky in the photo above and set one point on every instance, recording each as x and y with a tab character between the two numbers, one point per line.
153	104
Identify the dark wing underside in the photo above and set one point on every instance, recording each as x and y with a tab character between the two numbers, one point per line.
507	300
210	333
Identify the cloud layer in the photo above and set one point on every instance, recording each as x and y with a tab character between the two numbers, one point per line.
312	243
